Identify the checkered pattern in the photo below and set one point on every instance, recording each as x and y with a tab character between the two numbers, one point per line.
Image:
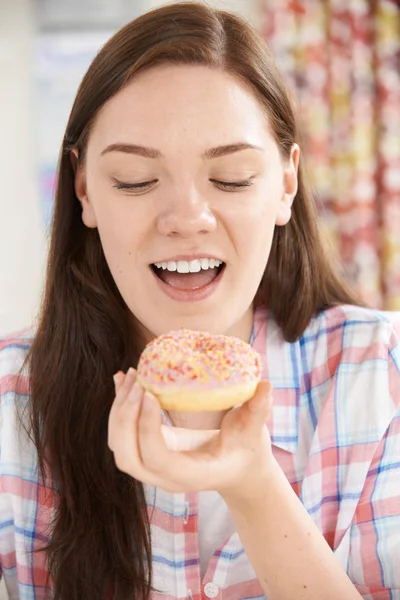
335	429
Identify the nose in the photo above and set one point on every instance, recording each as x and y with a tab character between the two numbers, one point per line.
187	215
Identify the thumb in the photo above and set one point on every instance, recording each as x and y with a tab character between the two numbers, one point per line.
259	407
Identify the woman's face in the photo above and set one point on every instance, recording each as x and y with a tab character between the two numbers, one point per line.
182	174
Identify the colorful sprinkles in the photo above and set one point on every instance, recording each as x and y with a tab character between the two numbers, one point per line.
185	356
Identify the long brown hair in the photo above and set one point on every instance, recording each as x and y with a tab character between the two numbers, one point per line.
99	544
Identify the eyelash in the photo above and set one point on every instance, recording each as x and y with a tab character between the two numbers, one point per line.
231	185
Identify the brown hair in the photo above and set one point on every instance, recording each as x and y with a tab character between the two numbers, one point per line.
99	544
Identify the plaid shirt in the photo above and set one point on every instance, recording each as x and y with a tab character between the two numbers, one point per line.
335	429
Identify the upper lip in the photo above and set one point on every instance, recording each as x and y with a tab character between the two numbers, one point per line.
187	257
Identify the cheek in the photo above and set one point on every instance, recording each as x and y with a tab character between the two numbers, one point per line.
115	253
256	222
120	225
253	238
120	241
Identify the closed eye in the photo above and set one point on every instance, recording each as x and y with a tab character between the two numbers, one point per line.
120	185
143	185
232	185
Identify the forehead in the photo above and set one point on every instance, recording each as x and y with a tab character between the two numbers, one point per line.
182	102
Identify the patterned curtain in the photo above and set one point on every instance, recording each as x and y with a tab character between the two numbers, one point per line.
342	62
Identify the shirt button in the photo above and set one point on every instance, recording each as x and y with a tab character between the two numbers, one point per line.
211	590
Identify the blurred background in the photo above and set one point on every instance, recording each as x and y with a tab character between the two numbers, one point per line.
341	59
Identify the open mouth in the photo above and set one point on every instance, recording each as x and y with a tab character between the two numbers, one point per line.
189	275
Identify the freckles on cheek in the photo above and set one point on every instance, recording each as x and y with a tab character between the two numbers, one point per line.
119	269
115	250
120	259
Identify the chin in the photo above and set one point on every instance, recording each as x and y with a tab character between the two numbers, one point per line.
211	323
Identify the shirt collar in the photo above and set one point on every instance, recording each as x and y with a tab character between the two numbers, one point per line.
281	361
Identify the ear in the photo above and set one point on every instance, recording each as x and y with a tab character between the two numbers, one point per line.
88	215
290	185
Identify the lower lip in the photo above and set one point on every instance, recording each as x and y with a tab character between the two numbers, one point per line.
189	295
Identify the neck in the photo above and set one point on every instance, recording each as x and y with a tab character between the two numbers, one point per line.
241	329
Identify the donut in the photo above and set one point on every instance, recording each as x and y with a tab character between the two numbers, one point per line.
194	371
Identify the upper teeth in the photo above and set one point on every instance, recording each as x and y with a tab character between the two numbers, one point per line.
193	266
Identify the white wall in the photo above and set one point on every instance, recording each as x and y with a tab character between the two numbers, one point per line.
22	238
21	235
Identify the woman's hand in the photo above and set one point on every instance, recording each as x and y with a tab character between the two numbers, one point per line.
228	460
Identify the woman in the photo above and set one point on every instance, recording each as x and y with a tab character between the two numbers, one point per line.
181	146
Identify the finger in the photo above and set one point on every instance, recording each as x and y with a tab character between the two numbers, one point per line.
123	438
258	408
123	417
152	444
119	379
261	399
126	386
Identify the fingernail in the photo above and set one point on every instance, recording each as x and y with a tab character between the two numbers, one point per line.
268	388
148	401
130	376
134	394
117	377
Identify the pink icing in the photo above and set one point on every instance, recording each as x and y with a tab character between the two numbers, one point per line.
197	359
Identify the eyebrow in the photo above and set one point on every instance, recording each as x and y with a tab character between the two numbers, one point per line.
153	153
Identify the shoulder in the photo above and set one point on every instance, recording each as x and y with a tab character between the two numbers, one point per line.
340	339
356	323
18	459
359	340
14	372
23	338
354	333
17	456
353	359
